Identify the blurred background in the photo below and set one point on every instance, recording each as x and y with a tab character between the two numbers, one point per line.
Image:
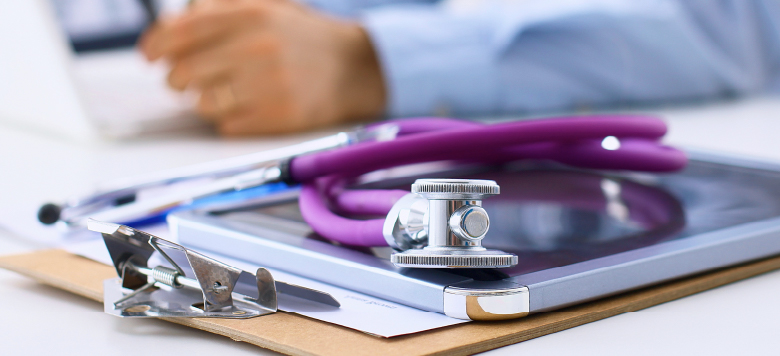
80	104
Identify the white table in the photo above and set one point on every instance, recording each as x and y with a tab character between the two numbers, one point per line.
741	318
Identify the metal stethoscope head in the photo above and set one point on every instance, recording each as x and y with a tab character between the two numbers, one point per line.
441	224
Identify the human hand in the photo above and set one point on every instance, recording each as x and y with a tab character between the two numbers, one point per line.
269	66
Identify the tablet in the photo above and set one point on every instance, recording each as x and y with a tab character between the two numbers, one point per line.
579	235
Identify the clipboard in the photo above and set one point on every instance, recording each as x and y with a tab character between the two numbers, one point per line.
294	334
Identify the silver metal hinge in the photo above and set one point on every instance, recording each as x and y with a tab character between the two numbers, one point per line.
190	285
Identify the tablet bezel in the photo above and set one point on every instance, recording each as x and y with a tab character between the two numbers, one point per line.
451	294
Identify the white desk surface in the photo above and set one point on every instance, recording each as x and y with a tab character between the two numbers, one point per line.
741	318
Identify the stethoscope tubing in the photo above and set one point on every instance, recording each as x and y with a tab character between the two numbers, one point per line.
572	140
483	141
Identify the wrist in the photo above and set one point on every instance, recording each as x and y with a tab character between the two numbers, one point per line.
362	89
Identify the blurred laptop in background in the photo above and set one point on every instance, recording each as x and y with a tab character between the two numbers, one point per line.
69	67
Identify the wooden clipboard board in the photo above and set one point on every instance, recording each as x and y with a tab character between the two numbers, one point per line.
298	335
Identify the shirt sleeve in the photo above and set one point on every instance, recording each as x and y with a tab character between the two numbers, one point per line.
478	57
352	8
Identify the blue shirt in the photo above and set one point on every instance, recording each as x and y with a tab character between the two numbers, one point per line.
487	57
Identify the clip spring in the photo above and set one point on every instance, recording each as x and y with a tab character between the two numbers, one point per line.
203	288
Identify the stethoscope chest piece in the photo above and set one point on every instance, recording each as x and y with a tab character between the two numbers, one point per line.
441	224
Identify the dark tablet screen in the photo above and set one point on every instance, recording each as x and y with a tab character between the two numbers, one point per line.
554	216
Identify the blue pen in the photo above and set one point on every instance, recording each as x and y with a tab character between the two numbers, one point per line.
221	199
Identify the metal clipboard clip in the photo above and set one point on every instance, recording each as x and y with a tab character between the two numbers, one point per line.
194	285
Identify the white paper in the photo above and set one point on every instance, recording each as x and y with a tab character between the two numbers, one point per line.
358	311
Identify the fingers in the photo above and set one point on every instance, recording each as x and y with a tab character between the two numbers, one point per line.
253	83
207	105
261	66
244	109
240	112
205	67
251	123
206	23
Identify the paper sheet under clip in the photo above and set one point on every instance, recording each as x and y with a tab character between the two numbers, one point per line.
191	285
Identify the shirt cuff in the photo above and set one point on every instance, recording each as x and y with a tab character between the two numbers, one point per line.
433	62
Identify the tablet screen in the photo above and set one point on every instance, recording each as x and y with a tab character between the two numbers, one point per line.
553	217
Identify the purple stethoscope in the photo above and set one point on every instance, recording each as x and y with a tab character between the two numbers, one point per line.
440	224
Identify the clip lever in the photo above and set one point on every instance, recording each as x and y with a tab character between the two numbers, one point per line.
193	286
